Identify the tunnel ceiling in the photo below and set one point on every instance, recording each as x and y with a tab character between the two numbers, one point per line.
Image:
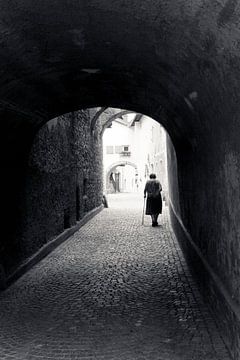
176	61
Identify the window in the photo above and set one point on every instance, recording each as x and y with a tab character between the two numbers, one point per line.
109	149
118	149
125	151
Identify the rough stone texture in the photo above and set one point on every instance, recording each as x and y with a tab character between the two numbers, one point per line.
115	290
172	174
176	61
224	302
63	182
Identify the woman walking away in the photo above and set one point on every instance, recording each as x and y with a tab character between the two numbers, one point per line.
153	190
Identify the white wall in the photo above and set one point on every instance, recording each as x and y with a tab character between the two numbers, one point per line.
147	141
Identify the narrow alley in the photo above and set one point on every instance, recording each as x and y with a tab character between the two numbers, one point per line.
84	87
114	290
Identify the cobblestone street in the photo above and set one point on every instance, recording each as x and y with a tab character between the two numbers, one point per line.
114	290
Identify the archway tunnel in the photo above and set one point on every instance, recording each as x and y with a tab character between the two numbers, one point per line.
175	62
112	181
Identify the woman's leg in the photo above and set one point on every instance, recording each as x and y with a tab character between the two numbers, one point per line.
152	216
154	220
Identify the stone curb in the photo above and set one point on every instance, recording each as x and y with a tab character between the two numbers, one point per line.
49	247
218	283
232	307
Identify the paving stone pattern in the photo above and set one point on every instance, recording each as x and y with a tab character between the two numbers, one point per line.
114	290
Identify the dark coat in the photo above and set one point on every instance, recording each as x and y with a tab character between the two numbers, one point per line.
153	190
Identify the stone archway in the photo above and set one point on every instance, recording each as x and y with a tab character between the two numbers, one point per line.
110	185
177	62
114	117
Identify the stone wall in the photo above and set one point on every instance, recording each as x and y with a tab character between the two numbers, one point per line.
205	215
63	182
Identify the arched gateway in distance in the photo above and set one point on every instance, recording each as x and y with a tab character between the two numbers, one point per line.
116	181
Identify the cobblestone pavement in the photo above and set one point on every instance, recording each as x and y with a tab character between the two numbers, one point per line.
114	290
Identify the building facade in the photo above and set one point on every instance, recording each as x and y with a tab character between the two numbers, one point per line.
133	147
